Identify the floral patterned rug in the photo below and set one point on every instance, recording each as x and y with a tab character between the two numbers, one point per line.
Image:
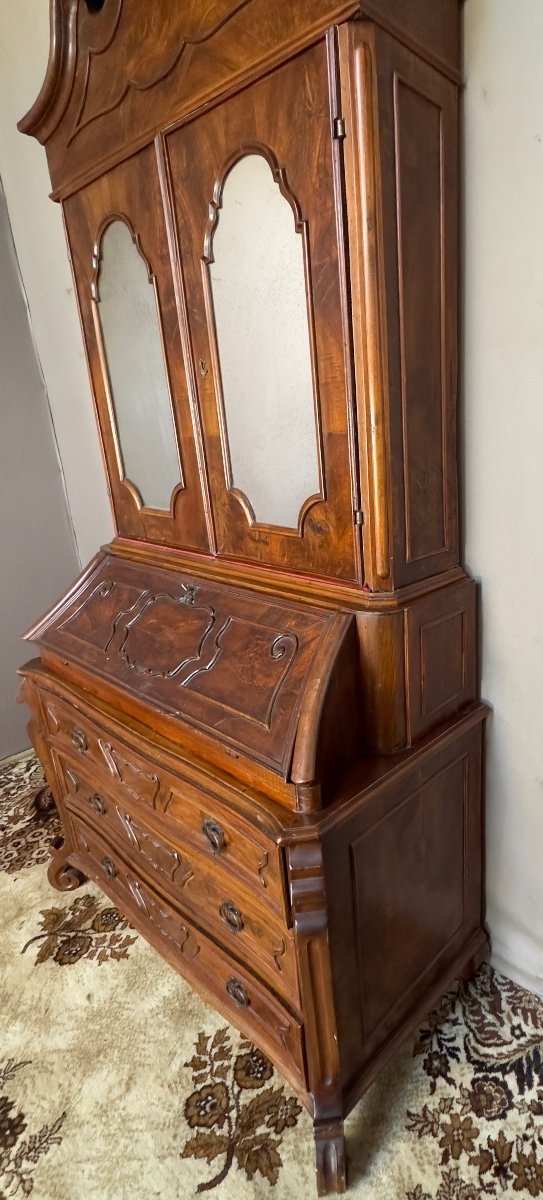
117	1083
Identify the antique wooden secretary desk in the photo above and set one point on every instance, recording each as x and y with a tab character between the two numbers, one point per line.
257	707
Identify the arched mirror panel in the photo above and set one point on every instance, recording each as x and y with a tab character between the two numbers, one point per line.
257	281
133	358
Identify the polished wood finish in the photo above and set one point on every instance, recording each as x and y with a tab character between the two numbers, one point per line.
119	195
265	743
401	181
104	68
289	135
234	676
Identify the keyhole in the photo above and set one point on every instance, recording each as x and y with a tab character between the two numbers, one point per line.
203	367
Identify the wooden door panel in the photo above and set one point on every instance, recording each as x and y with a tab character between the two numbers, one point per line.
284	118
131	194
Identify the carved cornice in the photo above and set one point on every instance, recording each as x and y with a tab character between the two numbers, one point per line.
143	75
80	37
50	105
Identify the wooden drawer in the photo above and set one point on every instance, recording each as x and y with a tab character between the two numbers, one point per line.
227	838
226	983
188	811
212	896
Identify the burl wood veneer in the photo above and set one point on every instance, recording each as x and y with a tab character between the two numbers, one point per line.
263	738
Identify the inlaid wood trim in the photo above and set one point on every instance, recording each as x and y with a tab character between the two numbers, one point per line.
412	556
368	294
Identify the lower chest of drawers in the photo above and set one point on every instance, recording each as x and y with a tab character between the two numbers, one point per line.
204	889
222	979
198	878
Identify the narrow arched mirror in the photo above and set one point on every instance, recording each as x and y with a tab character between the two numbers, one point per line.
262	325
139	390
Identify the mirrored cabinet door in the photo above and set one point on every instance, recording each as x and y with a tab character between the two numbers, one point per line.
253	187
146	408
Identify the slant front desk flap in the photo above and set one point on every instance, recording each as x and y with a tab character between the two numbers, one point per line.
272	680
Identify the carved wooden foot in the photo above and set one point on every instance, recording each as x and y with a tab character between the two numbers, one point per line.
61	874
481	955
44	804
330	1158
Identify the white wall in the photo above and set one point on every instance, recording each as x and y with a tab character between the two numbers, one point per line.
39	240
503	404
37	548
503	389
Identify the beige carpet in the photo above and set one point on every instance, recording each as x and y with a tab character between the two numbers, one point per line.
94	1107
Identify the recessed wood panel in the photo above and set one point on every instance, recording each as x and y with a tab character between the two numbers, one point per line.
440	689
418	136
441	665
409	893
401	174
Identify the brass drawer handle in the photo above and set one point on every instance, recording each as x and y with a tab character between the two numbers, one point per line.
215	836
97	803
238	993
231	916
79	739
109	867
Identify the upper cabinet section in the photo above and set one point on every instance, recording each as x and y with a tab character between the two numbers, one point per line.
261	207
148	419
120	70
256	209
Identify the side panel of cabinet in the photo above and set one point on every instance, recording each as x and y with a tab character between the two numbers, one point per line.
405	893
401	166
129	199
284	119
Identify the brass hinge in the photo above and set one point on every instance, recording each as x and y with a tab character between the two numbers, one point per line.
339	127
358	516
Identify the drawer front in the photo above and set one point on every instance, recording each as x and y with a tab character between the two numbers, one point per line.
210	894
244	1000
233	843
188	811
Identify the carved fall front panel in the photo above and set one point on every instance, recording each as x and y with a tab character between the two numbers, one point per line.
232	663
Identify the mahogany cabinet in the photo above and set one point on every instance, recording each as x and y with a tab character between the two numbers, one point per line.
257	707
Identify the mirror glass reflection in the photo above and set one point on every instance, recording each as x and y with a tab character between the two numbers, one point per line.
258	289
138	383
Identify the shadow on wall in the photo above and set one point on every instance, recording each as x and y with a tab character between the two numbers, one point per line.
37	547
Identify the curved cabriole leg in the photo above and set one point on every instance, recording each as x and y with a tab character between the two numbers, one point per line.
330	1158
61	874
